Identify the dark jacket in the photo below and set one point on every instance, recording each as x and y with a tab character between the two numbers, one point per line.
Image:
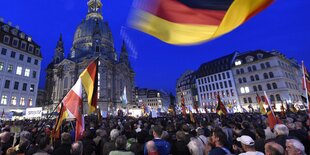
63	149
108	147
180	147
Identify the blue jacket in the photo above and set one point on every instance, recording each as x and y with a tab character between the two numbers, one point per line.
162	146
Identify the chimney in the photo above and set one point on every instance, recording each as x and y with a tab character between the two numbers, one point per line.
17	27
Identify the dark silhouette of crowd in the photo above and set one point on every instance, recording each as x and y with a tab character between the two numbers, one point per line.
208	134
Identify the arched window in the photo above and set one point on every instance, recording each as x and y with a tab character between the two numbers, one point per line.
250	99
274	85
237	71
254	68
268	86
265	76
249	69
255	88
272	98
267	64
241	70
256	77
262	66
271	75
244	100
260	88
252	78
278	97
244	80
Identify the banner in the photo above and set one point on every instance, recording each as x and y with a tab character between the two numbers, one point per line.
34	112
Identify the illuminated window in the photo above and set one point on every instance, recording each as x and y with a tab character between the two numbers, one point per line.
27	72
247	90
242	90
4	99
32	88
1	66
10	68
238	62
22	101
13	100
19	70
29	102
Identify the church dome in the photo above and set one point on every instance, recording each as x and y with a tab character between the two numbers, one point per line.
90	27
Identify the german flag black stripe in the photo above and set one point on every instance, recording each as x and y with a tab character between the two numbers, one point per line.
208	4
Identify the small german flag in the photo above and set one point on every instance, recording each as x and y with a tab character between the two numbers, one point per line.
192	21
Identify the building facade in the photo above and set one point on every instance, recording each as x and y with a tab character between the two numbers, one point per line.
92	39
186	88
20	61
216	78
258	71
153	99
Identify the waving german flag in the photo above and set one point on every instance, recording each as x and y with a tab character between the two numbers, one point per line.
192	21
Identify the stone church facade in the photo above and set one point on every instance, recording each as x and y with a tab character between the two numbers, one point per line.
92	39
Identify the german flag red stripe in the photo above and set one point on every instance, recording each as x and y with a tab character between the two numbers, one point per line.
192	21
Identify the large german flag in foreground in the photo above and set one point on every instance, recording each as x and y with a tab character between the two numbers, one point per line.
192	21
89	79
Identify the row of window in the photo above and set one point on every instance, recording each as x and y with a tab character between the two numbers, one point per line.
213	78
256	77
21	57
7	85
19	70
215	86
269	86
291	86
14	101
23	45
253	68
213	95
285	66
272	98
290	76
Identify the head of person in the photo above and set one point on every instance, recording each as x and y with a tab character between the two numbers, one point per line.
200	131
180	136
5	137
121	142
194	146
114	134
151	147
218	138
157	131
65	138
273	148
77	148
245	125
24	136
281	130
164	135
43	143
247	142
294	147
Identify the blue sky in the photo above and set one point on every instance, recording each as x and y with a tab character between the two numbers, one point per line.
284	26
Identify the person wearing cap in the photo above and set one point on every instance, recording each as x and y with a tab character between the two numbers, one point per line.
248	145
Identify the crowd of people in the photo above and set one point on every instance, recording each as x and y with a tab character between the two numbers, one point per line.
207	134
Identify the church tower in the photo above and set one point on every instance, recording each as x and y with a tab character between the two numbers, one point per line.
59	51
124	55
94	9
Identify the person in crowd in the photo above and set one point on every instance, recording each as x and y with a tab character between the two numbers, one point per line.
248	145
281	132
65	146
151	148
100	140
77	148
260	140
180	146
218	141
162	146
89	146
202	139
273	148
5	140
236	147
138	146
246	130
44	146
120	147
294	147
110	146
195	147
186	130
268	133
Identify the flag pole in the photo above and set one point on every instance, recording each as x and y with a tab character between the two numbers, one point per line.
305	83
267	98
